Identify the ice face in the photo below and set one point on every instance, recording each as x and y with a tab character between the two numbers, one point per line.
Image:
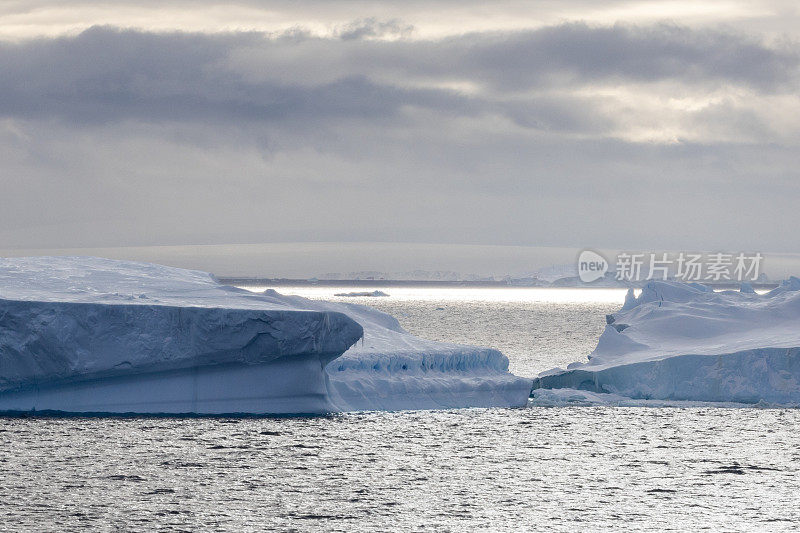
70	318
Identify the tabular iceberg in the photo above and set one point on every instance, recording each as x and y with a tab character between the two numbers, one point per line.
680	341
84	334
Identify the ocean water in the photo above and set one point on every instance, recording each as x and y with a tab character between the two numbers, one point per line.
534	468
537	329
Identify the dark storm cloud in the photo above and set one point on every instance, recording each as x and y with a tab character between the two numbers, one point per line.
583	53
105	74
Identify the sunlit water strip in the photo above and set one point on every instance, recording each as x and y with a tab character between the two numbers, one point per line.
458	294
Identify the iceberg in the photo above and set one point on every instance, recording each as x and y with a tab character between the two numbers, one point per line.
373	294
93	335
685	342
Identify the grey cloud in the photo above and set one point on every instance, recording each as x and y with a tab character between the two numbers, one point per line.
105	74
577	53
125	137
633	53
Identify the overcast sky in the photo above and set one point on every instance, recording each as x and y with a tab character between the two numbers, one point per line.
649	125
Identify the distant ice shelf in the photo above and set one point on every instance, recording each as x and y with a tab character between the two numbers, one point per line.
685	342
93	335
372	294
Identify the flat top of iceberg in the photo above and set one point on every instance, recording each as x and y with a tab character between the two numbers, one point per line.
670	318
99	280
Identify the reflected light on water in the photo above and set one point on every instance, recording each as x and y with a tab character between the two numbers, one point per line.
459	294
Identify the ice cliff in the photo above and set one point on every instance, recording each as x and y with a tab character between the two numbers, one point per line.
84	334
679	341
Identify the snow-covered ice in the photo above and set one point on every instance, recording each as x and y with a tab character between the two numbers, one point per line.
84	334
680	341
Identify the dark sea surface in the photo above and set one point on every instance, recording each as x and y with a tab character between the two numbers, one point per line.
534	468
